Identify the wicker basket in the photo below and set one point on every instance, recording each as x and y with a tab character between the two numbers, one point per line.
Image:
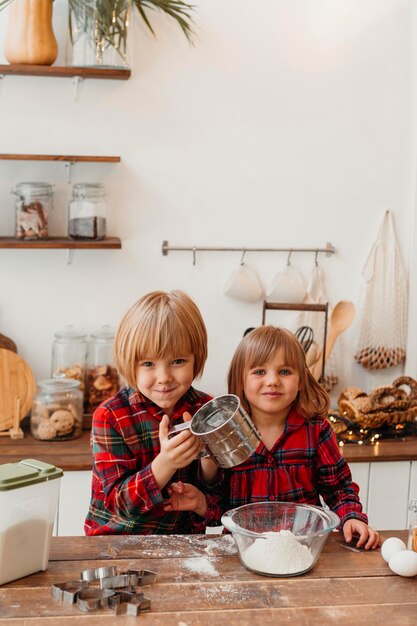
385	406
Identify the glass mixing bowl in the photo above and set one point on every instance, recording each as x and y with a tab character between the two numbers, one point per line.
279	538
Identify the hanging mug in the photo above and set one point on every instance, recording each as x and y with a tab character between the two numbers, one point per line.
244	284
287	286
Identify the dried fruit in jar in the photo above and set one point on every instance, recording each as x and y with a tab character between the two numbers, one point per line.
76	372
102	383
32	221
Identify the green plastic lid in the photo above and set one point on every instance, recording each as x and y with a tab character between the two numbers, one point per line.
26	472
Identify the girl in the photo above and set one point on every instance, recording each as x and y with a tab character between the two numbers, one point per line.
160	347
298	459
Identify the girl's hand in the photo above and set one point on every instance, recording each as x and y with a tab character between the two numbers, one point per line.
186	497
368	537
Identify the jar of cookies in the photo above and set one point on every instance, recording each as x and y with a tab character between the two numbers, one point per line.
102	377
69	355
57	410
33	202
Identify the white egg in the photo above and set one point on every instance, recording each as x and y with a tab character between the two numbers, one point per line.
391	546
404	563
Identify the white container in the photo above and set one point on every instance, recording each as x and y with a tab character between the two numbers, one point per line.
28	503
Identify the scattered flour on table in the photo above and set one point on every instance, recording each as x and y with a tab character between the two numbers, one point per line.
226	594
201	565
225	544
279	553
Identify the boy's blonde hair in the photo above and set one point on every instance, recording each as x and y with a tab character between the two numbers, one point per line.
260	345
160	324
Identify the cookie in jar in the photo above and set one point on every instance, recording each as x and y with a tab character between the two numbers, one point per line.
57	410
102	377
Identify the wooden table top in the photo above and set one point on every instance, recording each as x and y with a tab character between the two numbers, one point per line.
75	454
201	582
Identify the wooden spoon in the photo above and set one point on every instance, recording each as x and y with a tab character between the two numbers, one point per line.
341	318
313	354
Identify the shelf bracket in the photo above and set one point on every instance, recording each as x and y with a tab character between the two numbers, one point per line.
70	255
78	83
70	165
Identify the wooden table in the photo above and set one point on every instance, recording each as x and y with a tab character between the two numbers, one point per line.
201	582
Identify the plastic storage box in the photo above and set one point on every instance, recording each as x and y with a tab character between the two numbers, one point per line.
28	503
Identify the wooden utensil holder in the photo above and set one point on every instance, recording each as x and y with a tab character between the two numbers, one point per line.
289	306
15	432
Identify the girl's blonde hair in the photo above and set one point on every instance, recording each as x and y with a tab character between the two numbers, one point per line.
160	324
260	345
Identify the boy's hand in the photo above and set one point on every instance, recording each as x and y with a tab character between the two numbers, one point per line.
186	497
176	453
368	537
179	450
209	468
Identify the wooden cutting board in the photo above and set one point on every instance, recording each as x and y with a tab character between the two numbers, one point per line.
7	343
16	381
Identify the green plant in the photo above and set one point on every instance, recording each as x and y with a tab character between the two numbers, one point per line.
110	17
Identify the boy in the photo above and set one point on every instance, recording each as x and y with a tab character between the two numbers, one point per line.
160	347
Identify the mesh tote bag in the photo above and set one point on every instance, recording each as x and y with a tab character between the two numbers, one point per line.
383	306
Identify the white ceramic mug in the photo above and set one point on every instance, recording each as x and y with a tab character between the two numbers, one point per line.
244	284
287	286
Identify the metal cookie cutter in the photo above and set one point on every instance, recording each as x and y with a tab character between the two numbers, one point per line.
129	603
67	592
93	599
132	597
120	580
133	608
98	572
146	577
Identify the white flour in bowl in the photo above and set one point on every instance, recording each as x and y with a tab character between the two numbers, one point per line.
279	553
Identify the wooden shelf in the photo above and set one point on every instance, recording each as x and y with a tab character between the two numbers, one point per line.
72	158
65	71
110	243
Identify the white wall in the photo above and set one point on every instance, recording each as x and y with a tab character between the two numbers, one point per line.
288	124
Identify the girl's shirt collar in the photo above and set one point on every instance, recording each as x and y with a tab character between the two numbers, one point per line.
294	422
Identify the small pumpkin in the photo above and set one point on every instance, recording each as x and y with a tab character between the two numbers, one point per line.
30	39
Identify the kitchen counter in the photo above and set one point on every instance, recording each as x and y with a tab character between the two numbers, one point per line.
201	582
75	454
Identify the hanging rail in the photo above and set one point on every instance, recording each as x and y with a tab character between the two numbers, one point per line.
328	250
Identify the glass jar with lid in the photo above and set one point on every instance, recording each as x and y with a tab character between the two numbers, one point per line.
69	355
33	202
102	377
57	410
87	211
